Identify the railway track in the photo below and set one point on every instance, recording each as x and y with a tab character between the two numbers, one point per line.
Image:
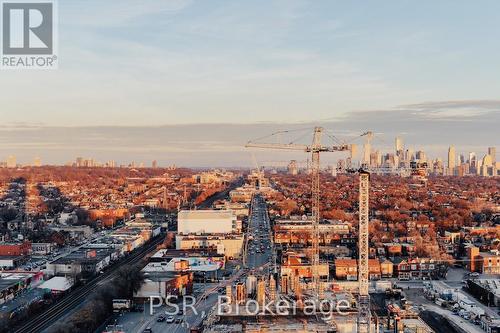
76	297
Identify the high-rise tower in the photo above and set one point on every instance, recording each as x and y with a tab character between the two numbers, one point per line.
451	160
492	151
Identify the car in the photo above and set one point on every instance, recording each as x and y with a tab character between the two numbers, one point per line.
178	320
161	318
170	320
148	330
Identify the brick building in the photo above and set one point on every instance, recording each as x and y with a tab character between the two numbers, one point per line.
15	248
483	262
347	269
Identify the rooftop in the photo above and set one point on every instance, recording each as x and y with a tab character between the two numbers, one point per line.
84	255
205	214
57	283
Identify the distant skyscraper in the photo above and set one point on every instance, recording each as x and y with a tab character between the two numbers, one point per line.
374	159
11	161
354	151
472	163
451	157
420	156
408	155
37	162
399	144
492	151
452	160
461	160
292	167
367	148
487	169
154	164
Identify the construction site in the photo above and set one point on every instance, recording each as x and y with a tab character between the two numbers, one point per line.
297	293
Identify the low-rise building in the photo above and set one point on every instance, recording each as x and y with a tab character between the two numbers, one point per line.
11	262
42	248
347	269
57	285
85	262
15	248
483	262
79	232
13	283
417	269
298	264
386	268
229	245
485	290
206	222
165	284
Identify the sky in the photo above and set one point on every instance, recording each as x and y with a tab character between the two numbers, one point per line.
189	82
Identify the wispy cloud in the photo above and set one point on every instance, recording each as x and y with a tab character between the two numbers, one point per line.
453	110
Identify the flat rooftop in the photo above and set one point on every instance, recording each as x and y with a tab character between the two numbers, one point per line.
174	253
205	214
81	255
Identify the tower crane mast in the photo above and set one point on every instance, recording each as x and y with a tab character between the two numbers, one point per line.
363	275
364	316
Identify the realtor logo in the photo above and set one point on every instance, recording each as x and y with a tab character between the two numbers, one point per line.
28	34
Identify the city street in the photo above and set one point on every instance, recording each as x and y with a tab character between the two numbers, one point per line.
138	322
258	255
259	248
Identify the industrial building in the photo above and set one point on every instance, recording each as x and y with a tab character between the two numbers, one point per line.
14	283
84	261
229	245
165	284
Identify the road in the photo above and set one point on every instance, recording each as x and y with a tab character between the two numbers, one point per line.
205	300
138	322
259	248
259	257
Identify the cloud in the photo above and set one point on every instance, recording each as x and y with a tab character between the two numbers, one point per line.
220	144
453	110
